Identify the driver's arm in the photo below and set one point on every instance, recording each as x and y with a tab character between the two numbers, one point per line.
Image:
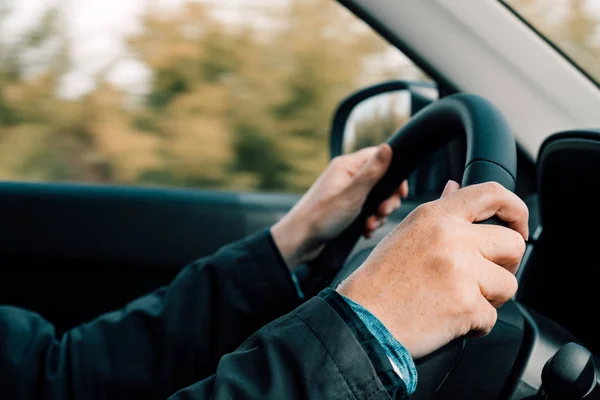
321	350
436	277
176	335
156	344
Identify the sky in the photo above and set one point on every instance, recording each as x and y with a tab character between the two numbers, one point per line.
96	29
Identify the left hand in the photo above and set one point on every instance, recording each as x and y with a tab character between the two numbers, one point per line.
333	202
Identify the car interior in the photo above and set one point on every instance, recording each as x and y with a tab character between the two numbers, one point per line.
523	116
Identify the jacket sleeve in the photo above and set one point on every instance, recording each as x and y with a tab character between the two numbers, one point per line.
319	351
157	344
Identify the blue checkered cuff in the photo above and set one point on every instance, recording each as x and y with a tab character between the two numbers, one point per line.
400	358
297	286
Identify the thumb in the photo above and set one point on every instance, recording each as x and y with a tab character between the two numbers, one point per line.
374	168
450	188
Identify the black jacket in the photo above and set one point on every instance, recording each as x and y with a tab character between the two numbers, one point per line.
188	333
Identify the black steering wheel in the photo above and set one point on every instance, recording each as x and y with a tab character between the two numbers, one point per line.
509	362
491	155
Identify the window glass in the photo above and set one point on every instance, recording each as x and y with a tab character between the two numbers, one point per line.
232	95
573	26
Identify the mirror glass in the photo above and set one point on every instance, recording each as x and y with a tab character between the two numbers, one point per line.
376	119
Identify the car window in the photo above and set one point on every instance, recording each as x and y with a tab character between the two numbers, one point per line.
573	26
232	95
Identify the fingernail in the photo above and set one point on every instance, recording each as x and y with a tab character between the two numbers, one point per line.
390	209
381	153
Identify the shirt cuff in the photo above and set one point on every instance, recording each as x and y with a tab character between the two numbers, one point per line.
399	357
297	285
391	381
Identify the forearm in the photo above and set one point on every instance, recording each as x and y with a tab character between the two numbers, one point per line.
158	343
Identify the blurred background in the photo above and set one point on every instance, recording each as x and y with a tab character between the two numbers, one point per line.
223	94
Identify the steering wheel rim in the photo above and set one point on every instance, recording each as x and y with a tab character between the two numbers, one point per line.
490	156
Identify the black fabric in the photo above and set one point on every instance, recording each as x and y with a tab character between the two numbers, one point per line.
179	335
155	345
311	353
380	361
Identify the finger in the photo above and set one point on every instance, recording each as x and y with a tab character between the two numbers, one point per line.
483	320
368	233
497	284
372	223
502	246
360	157
403	190
483	201
389	206
353	162
373	169
450	188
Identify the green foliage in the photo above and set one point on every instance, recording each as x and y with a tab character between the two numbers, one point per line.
8	116
259	154
231	105
167	85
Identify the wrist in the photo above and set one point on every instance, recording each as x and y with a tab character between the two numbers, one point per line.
405	329
292	236
354	290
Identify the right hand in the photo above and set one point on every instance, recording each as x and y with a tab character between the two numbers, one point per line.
438	276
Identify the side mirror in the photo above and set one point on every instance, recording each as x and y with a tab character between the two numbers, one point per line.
371	115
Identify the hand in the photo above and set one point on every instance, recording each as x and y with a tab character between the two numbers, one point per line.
333	202
439	276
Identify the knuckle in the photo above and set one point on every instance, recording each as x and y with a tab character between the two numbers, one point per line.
464	299
492	187
438	235
482	321
524	209
444	238
424	210
512	285
520	245
507	289
489	316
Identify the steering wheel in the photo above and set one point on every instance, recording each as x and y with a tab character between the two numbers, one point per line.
491	156
507	362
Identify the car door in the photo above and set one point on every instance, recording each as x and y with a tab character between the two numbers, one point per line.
204	130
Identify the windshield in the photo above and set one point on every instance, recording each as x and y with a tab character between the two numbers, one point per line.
573	26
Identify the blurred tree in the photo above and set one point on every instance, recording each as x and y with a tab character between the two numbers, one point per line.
247	105
44	137
237	103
